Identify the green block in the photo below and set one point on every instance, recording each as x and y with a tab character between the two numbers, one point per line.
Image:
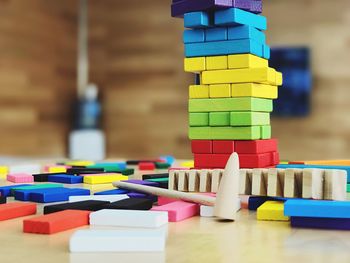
127	171
229	133
230	104
36	186
348	188
249	118
199	119
160	165
219	119
165	179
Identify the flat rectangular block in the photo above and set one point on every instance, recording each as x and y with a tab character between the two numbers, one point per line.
154	176
254	90
65	179
178	211
195	65
20	178
246	32
131	204
230	104
223	146
2	199
321	223
104	179
34	187
271	211
216	62
202	146
108	198
6	190
220	91
217	119
197	19
89	205
54	194
199	92
112	192
57	222
193	36
257	146
255	160
198	119
249	118
216	34
15	210
129	218
204	161
246	61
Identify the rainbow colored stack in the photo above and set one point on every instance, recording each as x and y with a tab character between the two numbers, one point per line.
230	105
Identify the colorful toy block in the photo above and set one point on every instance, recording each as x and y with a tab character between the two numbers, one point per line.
202	146
255	160
3	171
108	198
257	146
147	166
179	210
266	55
198	119
65	179
112	192
79	171
193	36
3	199
6	190
254	90
131	204
56	169
104	179
25	169
49	195
321	223
271	211
246	32
142	182
154	176
216	62
90	205
35	187
197	19
220	91
227	147
216	34
246	61
219	119
256	6
249	118
199	92
196	64
15	210
20	178
161	182
57	222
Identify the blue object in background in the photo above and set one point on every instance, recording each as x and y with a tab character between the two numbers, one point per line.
295	94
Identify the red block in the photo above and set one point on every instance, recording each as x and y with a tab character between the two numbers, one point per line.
147	166
14	210
202	146
56	222
256	146
275	158
210	161
255	160
223	146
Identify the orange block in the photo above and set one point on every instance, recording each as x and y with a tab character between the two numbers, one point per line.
14	210
324	162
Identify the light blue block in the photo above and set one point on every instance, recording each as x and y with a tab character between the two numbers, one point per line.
196	20
217	48
216	34
235	16
193	36
266	51
317	208
113	192
304	166
246	32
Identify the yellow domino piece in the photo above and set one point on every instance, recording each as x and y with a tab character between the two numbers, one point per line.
272	211
256	75
199	92
104	179
3	172
254	90
246	61
279	78
57	169
80	163
187	164
216	62
99	187
220	91
194	64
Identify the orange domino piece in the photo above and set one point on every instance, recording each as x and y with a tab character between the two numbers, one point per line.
14	210
324	162
56	222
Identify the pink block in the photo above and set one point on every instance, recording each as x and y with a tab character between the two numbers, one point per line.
162	200
20	178
179	210
180	168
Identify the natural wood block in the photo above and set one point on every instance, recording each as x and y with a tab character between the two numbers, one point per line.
182	181
193	180
215	179
293	183
275	182
204	181
313	180
335	185
259	181
245	181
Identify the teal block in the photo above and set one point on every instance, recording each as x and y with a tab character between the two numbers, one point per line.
196	20
246	32
266	52
193	36
216	34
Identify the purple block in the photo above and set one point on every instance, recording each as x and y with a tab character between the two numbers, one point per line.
242	4
256	7
141	182
142	195
321	223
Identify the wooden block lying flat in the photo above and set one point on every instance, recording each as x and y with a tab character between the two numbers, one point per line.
216	62
216	175
117	241
245	181
335	185
219	119
197	19
210	160
56	222
145	182
131	204
293	179
202	146
2	199
55	194
179	211
20	178
321	223
65	179
198	119
275	182
259	182
112	192
25	168
193	36
313	181
204	181
14	210
254	90
104	179
246	60
193	180
259	160
249	118
108	198
199	91
154	176
6	190
223	146
195	65
34	187
257	146
129	218
90	205
272	211
220	91
160	182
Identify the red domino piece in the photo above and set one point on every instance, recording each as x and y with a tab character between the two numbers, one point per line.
14	210
255	160
275	158
223	146
56	222
256	146
147	166
202	146
210	161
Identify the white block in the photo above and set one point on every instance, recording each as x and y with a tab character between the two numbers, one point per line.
129	218
117	241
193	180
109	198
335	185
208	211
182	181
313	183
25	168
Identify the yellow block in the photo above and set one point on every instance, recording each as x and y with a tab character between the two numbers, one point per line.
188	164
272	211
220	91
194	64
199	92
254	90
329	162
279	78
256	75
80	163
104	179
246	61
99	187
3	172
57	169
217	62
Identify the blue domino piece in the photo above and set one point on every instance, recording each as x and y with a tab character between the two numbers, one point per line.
317	208
216	34
168	158
255	201
65	179
197	20
112	192
326	167
24	195
227	47
56	194
320	223
266	51
6	190
246	32
193	36
235	16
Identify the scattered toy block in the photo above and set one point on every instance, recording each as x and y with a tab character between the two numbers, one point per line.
20	178
206	211
223	146
153	198
196	64
65	179
321	223
219	119
112	192
312	183
220	91
255	202
15	210
162	165
202	146
3	199
246	32
43	177
53	194
80	163
79	171
198	119
131	204
259	182
34	187
25	169
272	211
216	34
335	185
245	181
143	182
193	36
108	198
94	240
256	146
348	188
6	190
197	19
199	92
56	222
161	182
90	205
129	218
324	162
147	166
249	118
235	16
154	176
216	62
3	171
178	211
165	200
104	179
254	90
275	182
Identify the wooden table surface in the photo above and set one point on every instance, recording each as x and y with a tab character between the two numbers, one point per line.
194	240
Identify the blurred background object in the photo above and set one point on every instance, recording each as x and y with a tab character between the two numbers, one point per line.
136	59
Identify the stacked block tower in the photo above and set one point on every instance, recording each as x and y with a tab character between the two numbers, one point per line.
231	101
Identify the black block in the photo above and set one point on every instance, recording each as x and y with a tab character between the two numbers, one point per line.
90	205
84	170
2	200
131	204
155	176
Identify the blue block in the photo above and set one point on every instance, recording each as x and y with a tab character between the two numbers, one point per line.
196	20
246	32
6	190
216	34
113	192
218	48
24	195
120	165
193	36
266	51
235	16
65	179
56	194
168	158
316	208
304	166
